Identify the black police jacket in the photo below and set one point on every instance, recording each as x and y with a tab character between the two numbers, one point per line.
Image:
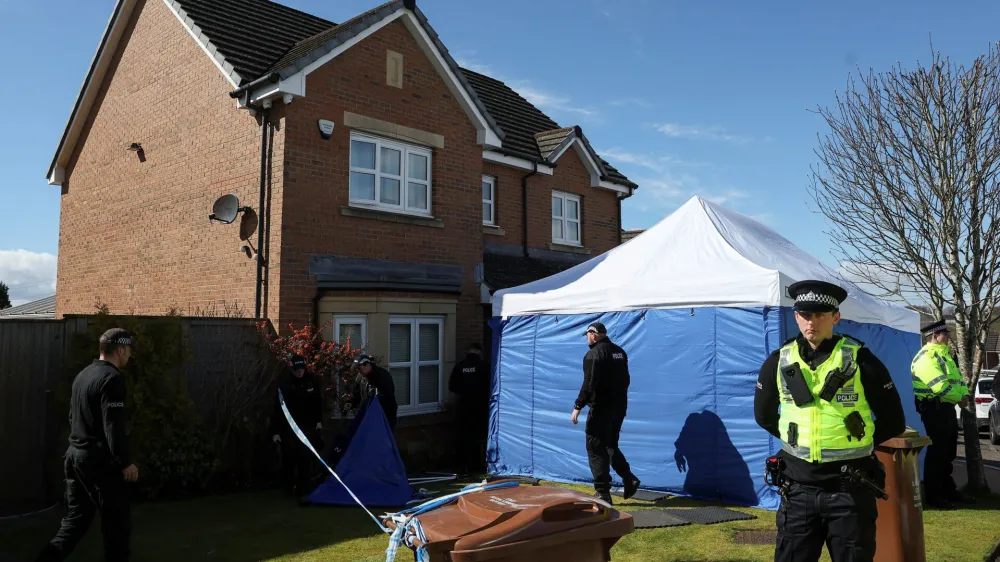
304	400
470	380
605	379
379	383
97	414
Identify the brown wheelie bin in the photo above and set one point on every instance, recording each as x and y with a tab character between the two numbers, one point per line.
900	526
523	523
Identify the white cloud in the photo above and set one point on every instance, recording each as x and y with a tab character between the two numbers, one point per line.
631	101
29	275
538	97
670	182
547	100
714	133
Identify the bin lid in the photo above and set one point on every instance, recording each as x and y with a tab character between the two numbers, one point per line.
909	439
504	516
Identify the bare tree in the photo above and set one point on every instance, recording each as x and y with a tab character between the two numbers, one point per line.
908	180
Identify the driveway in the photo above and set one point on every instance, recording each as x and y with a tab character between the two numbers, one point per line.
991	453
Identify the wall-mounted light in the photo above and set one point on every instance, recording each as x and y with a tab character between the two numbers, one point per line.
137	148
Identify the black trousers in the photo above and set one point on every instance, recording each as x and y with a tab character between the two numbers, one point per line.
941	425
92	486
810	517
298	464
603	452
472	425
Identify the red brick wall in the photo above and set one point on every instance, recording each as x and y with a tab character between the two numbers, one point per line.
599	210
317	174
136	234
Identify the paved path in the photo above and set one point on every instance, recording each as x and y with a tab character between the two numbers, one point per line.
991	453
960	473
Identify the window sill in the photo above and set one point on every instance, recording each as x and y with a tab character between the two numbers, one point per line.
493	230
573	249
422	417
389	216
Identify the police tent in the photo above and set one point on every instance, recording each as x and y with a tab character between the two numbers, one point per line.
698	302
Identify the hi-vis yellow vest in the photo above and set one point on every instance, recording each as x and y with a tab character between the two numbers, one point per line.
822	435
935	375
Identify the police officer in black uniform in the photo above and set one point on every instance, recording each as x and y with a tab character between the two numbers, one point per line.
373	380
605	389
819	504
303	396
470	380
97	464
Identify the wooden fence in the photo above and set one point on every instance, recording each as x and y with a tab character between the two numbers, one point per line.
33	355
31	362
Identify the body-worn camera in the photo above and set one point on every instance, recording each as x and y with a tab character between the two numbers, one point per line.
797	385
835	381
774	469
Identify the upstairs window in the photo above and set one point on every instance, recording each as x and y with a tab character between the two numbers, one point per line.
390	175
565	219
489	200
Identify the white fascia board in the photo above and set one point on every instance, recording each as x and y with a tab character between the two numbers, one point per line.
84	102
211	55
496	157
485	136
613	186
581	150
555	156
296	84
58	176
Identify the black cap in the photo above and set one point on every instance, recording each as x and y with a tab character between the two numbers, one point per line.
934	327
813	295
362	359
119	336
596	328
298	362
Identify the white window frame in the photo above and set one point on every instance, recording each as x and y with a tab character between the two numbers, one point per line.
566	197
338	320
405	151
414	407
341	319
492	219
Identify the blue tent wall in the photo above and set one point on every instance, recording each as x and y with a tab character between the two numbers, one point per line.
691	398
690	403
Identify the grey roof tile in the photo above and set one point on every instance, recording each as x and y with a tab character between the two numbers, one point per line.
41	308
259	37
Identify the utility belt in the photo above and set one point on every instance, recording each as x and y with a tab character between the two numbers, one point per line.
925	405
849	479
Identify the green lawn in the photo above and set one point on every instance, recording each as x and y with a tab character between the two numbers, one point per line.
270	527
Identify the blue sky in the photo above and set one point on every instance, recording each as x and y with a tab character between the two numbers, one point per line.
686	98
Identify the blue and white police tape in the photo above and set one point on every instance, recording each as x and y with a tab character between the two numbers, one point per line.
305	441
408	527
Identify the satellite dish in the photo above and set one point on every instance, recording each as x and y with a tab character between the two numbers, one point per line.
248	224
225	209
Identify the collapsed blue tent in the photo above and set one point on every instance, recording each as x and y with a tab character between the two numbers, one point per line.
698	302
370	466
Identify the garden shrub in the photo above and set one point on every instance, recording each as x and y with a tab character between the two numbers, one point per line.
329	360
165	434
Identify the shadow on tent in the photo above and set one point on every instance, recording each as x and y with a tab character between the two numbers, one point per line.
715	469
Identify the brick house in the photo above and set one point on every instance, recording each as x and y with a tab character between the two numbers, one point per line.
377	225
